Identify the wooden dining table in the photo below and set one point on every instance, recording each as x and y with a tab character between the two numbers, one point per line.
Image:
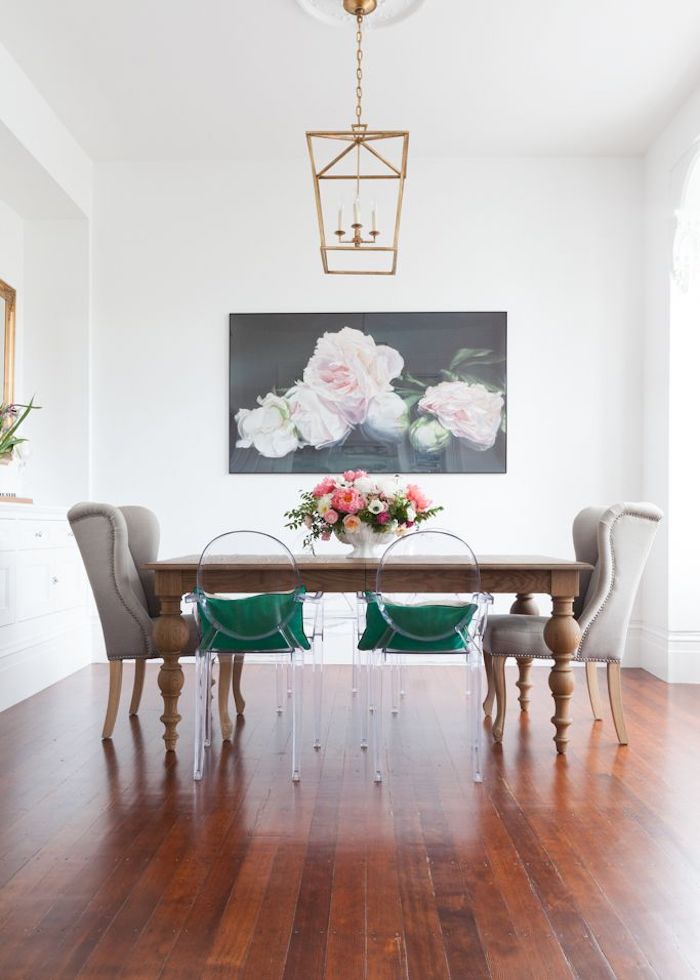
520	575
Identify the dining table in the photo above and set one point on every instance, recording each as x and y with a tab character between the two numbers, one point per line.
522	576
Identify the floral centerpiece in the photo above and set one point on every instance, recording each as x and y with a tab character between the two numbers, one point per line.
360	510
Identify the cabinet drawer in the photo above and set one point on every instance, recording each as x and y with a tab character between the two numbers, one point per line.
8	535
41	534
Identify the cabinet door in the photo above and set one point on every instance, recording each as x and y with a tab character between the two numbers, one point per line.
7	588
35	590
67	579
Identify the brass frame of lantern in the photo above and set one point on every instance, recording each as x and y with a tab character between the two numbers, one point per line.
359	137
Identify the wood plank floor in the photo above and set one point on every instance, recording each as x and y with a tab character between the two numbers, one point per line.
113	863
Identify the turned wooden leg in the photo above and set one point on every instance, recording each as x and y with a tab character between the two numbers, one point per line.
615	695
137	691
237	671
594	690
499	683
116	669
524	605
523	682
562	636
170	634
225	670
490	690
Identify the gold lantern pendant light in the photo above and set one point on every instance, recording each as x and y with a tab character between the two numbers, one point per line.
373	161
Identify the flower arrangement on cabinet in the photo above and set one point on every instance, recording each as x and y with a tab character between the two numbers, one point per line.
11	418
351	382
346	505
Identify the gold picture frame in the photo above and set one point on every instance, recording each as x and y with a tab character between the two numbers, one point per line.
8	295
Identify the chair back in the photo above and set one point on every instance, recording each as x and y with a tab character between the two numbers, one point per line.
401	596
616	541
114	543
244	615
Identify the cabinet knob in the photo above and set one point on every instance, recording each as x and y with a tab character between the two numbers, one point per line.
54	580
38	534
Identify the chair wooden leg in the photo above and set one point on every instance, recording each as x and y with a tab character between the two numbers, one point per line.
225	666
139	675
490	690
594	690
524	683
499	682
237	671
615	695
116	669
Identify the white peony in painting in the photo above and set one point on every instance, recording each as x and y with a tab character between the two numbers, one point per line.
384	392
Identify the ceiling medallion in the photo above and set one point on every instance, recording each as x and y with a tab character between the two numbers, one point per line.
386	12
360	159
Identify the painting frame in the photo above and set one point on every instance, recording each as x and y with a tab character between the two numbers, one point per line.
254	333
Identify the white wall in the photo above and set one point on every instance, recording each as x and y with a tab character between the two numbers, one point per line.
554	242
56	361
671	640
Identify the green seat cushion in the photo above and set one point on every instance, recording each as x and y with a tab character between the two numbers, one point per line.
431	620
252	617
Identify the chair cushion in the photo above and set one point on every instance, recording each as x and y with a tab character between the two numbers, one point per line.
378	634
249	618
516	636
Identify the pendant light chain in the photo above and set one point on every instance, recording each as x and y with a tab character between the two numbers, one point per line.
358	70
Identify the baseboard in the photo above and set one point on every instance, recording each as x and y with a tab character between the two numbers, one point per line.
672	655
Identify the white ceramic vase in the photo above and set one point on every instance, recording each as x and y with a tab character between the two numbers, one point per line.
9	476
366	542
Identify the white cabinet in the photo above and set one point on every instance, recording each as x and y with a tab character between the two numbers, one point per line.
44	631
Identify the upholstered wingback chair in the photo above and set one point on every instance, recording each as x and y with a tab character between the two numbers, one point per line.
115	543
616	541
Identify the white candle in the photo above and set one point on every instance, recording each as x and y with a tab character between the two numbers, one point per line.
356	212
375	226
339	226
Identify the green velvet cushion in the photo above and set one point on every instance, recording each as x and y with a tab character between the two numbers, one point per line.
431	620
250	618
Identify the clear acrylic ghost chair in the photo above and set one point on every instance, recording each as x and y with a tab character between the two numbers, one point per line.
269	622
402	619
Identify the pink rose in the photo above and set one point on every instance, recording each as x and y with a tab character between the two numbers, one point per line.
419	500
331	516
327	485
347	370
360	474
383	517
347	500
350	476
469	411
351	523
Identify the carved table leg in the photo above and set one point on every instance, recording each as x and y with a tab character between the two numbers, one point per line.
170	635
562	636
524	605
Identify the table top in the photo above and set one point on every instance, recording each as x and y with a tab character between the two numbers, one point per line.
486	562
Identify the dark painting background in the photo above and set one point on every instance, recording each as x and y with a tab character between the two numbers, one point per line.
271	350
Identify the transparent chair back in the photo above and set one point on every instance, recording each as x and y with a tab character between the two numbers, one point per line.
401	578
431	619
256	613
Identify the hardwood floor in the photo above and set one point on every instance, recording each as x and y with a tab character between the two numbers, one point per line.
114	863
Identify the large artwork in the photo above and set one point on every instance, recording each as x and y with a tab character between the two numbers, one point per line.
384	392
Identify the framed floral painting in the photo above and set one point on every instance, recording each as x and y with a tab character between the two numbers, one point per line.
383	392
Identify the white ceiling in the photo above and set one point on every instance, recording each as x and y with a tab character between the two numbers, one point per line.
206	79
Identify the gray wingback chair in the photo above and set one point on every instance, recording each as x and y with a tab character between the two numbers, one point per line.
115	543
616	541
